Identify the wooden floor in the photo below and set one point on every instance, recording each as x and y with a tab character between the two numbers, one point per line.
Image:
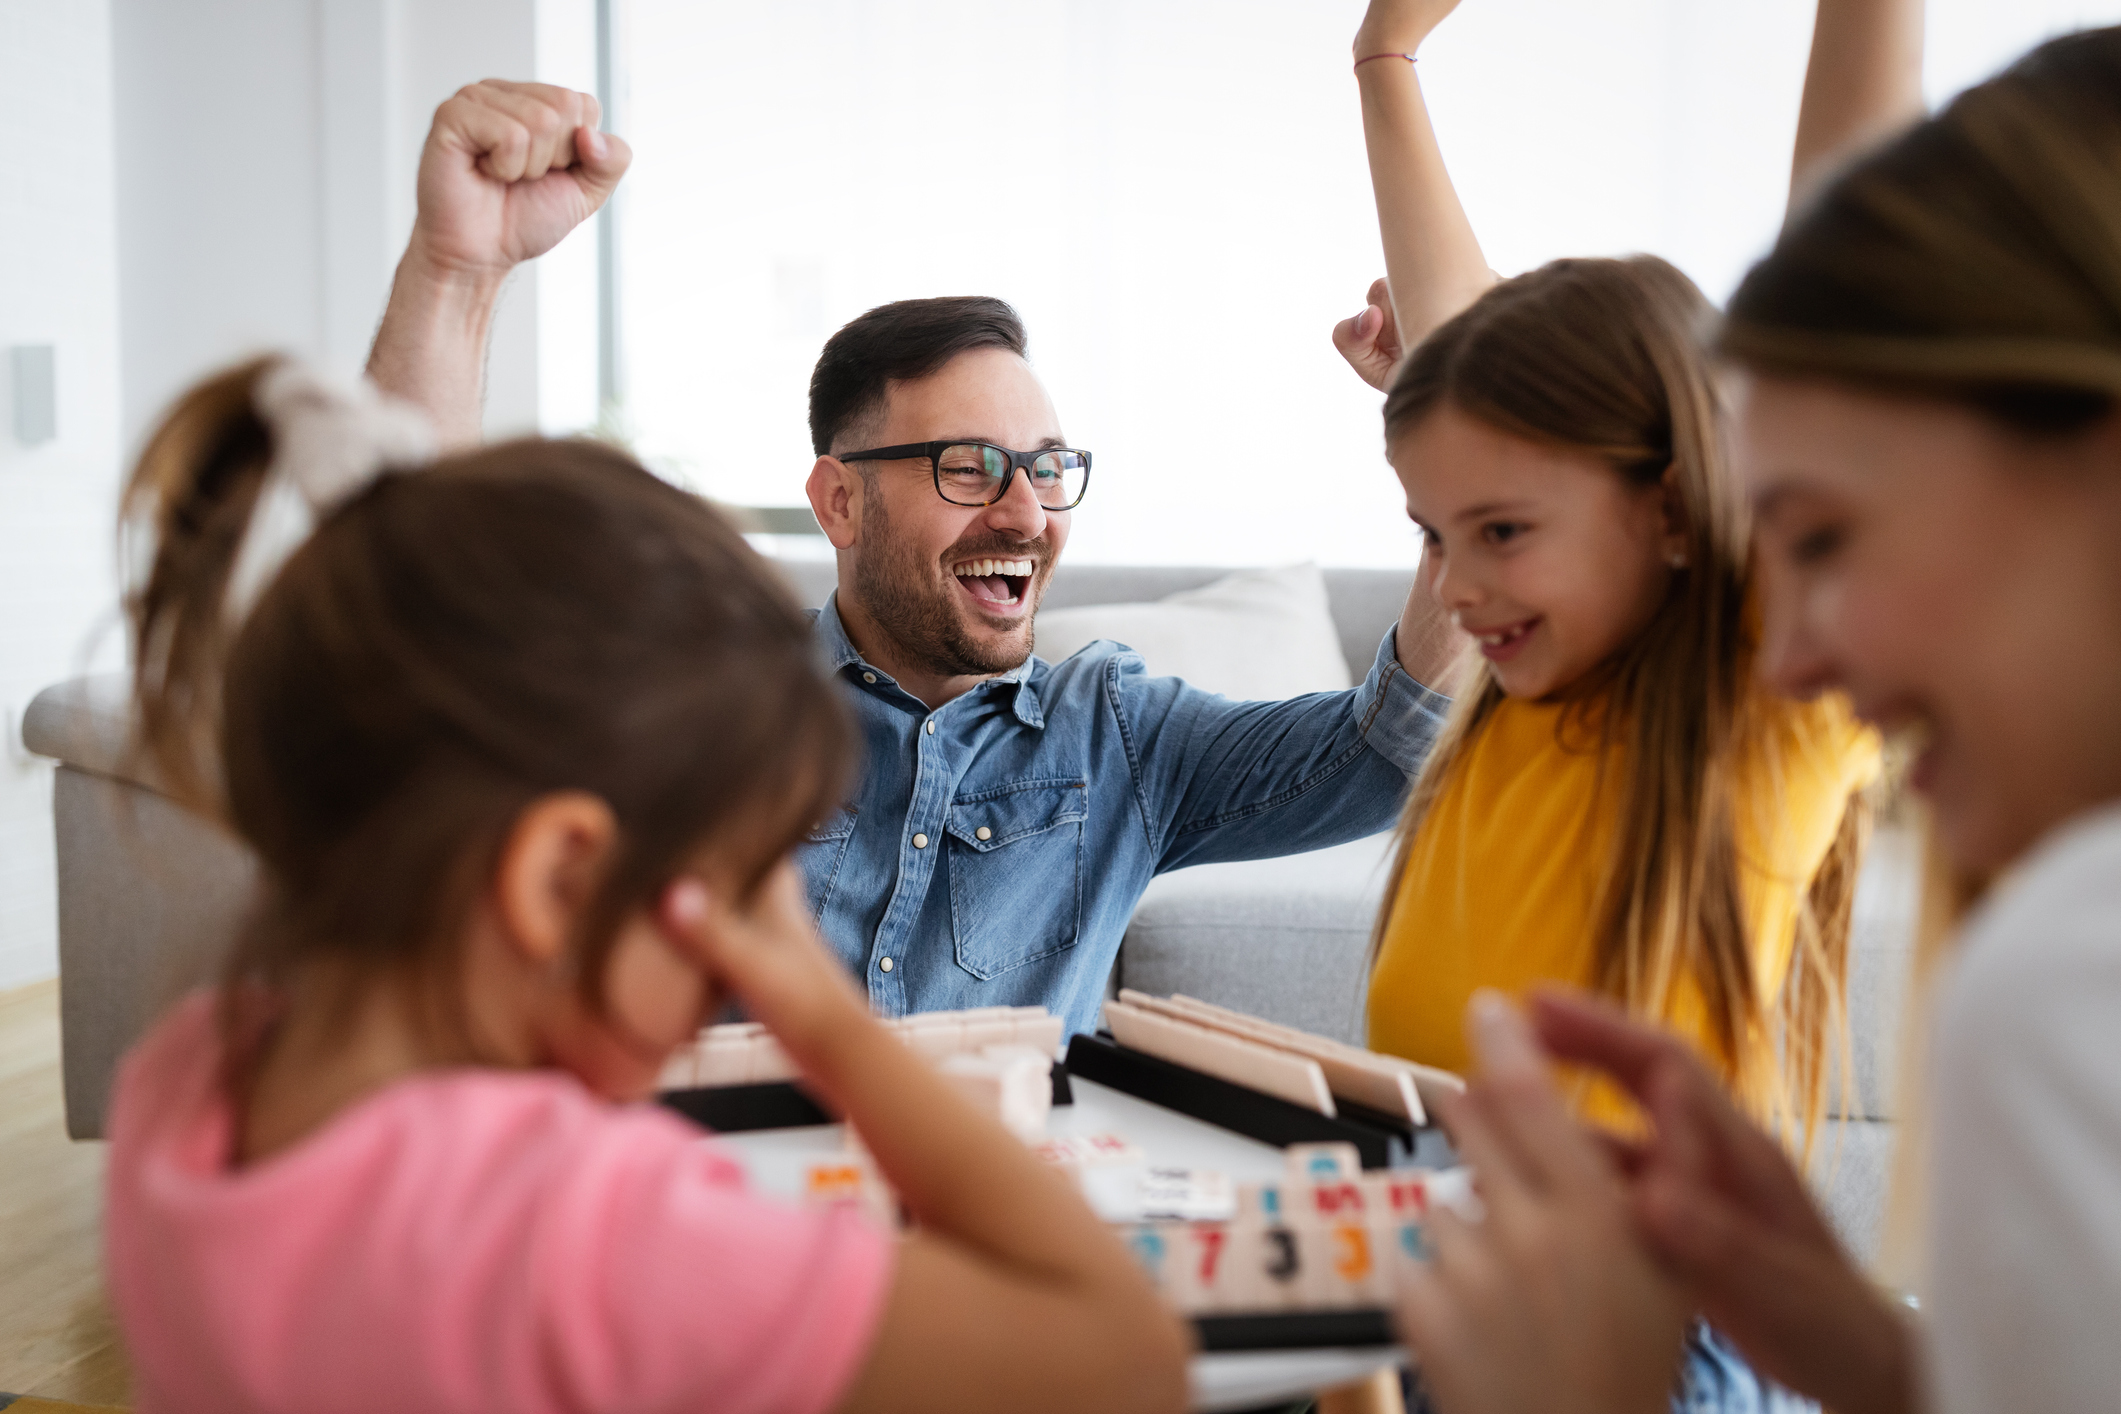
56	1336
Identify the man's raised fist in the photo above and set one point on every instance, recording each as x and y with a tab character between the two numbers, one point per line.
509	169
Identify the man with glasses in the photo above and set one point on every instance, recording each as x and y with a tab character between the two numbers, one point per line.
1011	811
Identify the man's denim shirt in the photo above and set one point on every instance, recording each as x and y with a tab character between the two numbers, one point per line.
995	847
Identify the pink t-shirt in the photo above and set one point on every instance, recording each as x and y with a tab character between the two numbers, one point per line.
465	1240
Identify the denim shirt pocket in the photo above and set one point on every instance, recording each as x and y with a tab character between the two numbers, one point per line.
820	854
1015	873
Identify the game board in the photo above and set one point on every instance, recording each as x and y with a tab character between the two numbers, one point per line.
1271	1221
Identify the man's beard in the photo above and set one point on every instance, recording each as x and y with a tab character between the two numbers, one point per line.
897	590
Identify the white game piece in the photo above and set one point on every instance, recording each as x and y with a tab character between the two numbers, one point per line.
1347	1271
735	1030
1274	1072
936	1041
1268	1202
851	1182
768	1062
1089	1151
1396	1240
1402	1194
1201	1277
679	1071
1321	1163
1347	1267
1062	1152
984	1031
1031	1072
1152	1246
1191	1195
1278	1258
722	1060
1453	1189
1111	1150
1246	1286
1041	1032
1011	1083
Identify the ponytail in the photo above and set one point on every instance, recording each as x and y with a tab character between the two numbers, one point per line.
367	678
191	497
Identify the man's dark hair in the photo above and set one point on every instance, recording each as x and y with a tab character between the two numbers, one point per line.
897	342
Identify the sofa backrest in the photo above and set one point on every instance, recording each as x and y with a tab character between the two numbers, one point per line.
1365	602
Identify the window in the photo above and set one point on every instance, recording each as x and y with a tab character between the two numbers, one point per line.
1174	194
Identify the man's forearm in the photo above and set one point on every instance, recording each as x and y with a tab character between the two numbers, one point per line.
431	347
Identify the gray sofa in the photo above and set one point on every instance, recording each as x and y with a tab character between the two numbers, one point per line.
147	895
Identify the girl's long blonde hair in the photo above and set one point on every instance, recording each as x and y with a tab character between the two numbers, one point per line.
1604	356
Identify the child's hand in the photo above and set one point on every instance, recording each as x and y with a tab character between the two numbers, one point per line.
1726	1210
1550	1301
1369	341
767	952
1399	26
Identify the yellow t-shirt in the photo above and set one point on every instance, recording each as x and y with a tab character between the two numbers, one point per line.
1499	889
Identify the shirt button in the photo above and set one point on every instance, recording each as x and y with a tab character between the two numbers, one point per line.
920	841
931	728
984	833
869	677
885	965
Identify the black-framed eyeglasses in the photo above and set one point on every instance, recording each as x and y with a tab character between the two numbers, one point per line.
979	473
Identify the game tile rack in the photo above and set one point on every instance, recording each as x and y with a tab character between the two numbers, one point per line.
1383	1140
779	1104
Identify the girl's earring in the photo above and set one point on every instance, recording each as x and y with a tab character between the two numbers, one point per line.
1677	559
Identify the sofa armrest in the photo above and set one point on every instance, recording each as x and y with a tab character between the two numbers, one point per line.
85	723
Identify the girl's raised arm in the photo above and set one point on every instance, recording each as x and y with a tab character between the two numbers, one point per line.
1863	82
1432	258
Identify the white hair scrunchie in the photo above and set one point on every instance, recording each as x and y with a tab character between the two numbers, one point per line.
331	440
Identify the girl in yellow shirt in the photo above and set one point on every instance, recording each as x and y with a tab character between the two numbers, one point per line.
1617	802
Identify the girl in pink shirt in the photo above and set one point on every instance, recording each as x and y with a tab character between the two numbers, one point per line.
522	739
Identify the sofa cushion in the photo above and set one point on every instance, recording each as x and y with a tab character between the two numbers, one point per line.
1365	602
1252	636
1281	938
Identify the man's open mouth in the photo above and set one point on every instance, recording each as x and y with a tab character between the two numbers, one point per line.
998	584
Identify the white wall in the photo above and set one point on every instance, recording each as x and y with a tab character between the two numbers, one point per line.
266	160
219	193
193	183
58	285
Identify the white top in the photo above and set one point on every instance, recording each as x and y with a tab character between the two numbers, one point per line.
2024	1233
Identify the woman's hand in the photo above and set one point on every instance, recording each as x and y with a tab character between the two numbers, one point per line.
1725	1210
1399	26
1549	1302
1369	341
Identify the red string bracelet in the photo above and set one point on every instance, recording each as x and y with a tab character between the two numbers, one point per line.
1368	57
